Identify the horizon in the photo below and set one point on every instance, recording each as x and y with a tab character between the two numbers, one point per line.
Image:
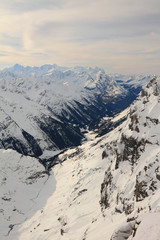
120	37
76	66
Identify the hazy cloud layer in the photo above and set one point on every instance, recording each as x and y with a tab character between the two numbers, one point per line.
120	35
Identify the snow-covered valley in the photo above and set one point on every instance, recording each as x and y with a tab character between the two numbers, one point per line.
106	188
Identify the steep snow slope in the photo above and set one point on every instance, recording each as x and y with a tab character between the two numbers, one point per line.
131	183
22	182
88	205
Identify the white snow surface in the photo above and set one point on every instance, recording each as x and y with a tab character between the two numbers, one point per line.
131	80
66	204
22	182
149	227
120	115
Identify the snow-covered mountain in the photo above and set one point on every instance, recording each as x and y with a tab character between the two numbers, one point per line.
43	109
107	188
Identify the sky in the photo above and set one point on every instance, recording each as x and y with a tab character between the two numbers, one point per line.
121	36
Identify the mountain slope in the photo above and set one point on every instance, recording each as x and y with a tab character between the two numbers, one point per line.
22	182
107	188
131	183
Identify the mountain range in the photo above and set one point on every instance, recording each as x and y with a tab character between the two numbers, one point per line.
106	186
46	109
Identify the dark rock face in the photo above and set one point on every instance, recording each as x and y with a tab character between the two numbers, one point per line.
62	134
37	151
83	114
132	148
140	192
15	144
106	189
147	181
103	127
94	109
30	147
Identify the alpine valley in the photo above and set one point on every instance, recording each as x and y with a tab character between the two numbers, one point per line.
79	154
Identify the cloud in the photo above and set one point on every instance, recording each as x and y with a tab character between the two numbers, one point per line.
85	32
20	6
3	54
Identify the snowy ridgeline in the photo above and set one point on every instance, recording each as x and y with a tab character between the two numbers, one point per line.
107	188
